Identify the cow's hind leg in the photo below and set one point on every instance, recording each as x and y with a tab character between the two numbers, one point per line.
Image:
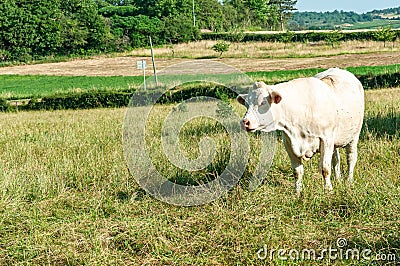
336	164
326	149
351	150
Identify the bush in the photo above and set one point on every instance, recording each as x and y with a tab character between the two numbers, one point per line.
221	47
4	105
334	38
385	34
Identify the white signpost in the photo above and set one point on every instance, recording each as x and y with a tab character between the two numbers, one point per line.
141	64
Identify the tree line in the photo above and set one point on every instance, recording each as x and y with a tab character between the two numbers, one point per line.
388	11
326	20
336	19
32	29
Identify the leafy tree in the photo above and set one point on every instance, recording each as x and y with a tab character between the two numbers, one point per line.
133	31
273	21
143	27
243	14
221	47
284	7
179	28
29	28
109	11
265	13
229	18
385	34
259	8
165	8
103	3
82	26
209	15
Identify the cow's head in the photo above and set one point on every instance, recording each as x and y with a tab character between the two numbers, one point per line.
259	103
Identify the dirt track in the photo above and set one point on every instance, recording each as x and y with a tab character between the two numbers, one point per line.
126	66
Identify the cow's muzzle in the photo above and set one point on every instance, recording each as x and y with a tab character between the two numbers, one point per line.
245	123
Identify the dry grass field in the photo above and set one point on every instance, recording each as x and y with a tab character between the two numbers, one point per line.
67	198
246	57
203	49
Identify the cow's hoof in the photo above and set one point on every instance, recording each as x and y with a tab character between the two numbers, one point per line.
350	183
339	178
298	193
329	189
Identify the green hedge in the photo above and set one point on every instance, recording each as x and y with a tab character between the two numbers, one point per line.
84	100
4	105
380	81
102	99
293	37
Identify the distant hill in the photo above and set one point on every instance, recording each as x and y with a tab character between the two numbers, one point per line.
345	20
392	13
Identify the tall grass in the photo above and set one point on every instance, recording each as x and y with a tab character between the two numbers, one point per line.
203	49
67	198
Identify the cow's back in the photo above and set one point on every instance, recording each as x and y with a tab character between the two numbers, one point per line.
350	95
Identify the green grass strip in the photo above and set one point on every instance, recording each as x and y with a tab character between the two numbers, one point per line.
285	75
28	86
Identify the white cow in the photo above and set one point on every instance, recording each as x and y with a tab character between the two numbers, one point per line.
317	114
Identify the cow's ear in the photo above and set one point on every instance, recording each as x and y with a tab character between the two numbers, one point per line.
241	99
259	84
276	97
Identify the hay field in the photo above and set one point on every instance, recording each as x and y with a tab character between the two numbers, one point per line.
67	198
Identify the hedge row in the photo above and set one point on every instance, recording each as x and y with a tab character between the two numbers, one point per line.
380	81
101	99
292	37
85	100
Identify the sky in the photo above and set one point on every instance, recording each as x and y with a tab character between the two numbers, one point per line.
358	6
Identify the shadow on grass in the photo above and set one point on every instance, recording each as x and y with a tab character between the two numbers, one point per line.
381	126
208	57
125	196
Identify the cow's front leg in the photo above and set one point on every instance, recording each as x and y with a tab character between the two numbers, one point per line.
298	171
297	166
326	149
